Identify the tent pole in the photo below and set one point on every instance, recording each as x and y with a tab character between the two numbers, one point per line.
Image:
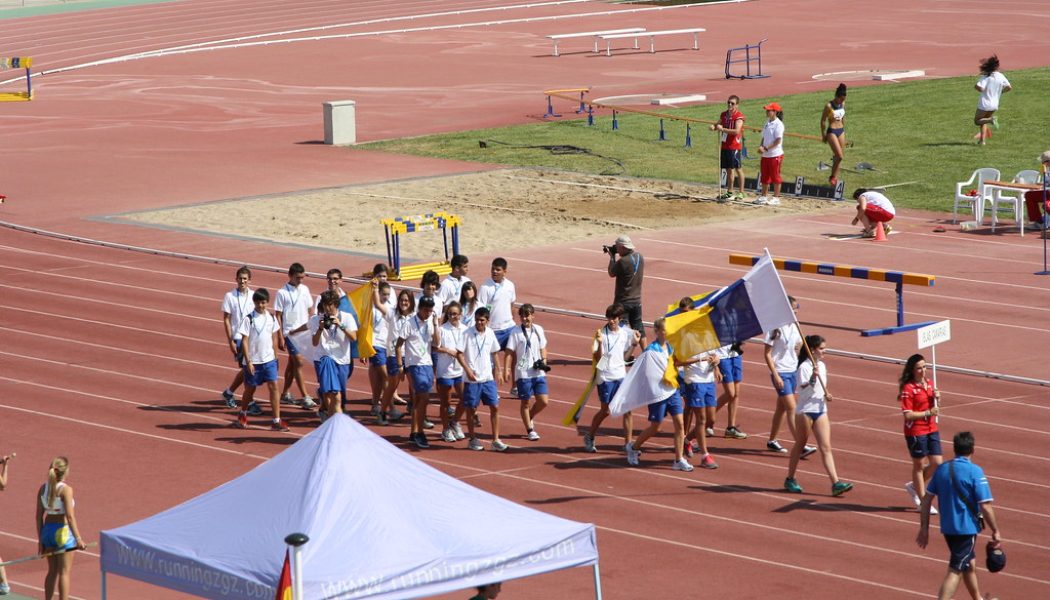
103	571
597	582
296	541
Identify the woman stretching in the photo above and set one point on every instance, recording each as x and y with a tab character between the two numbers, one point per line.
833	130
811	415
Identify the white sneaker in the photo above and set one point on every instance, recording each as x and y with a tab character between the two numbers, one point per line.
775	446
448	435
309	404
499	446
760	200
682	465
710	431
287	398
533	436
808	450
588	443
774	201
5	589
910	488
475	444
632	454
458	432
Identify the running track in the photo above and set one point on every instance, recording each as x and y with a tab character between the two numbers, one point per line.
114	358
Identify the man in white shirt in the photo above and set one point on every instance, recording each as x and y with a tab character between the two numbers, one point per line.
453	284
415	339
293	308
236	305
498	294
480	349
610	349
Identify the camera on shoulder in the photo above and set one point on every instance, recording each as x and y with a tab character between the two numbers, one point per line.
541	365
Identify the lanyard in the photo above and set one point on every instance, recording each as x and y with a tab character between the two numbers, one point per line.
421	329
635	259
243	303
479	342
295	298
258	329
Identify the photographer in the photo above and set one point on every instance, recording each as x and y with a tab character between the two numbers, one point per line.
528	353
332	331
628	267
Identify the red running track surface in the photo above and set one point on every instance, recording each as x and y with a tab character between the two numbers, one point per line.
115	358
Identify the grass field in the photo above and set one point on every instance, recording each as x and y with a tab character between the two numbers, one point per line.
912	131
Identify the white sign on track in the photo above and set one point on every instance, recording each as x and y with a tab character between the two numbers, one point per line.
934	334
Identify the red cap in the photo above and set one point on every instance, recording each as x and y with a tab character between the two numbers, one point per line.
772	106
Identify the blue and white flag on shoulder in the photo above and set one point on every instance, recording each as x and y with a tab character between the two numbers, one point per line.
748	307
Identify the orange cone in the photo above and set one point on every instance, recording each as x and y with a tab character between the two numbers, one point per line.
880	233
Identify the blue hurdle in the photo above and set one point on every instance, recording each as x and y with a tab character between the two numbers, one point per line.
747	60
897	277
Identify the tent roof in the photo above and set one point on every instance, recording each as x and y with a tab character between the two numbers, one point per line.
381	523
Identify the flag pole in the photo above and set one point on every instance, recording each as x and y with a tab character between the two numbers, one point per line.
809	352
296	541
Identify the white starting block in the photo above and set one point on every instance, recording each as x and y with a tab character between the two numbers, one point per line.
893	76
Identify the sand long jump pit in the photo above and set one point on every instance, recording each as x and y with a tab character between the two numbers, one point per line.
501	210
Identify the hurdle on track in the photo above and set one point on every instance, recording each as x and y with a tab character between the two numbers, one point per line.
18	62
752	54
897	277
449	226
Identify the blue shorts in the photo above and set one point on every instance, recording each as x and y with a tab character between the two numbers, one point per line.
531	386
963	549
331	376
421	378
671	405
607	389
700	395
732	369
379	358
264	373
920	446
449	381
502	335
292	350
239	357
729	159
475	393
813	416
57	536
790	383
392	366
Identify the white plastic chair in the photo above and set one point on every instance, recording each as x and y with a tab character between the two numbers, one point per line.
976	203
1015	201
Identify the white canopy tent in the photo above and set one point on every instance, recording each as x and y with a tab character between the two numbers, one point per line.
382	524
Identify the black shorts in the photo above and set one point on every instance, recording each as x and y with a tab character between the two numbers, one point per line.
730	159
963	550
633	313
921	446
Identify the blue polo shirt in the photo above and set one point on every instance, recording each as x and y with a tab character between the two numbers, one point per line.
956	517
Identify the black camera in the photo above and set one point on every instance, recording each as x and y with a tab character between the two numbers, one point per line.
609	249
541	365
327	320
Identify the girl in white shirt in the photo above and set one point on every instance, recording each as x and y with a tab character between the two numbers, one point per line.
992	84
811	415
449	371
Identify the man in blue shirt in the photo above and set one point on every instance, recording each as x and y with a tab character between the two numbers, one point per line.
959	501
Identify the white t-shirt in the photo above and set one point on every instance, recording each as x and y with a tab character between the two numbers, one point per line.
294	305
395	322
811	398
527	349
991	87
878	199
726	352
613	345
770	132
451	337
785	348
237	305
700	372
438	304
468	315
259	329
381	324
450	289
418	336
477	352
498	297
334	342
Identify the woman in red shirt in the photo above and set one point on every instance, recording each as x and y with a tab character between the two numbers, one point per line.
919	405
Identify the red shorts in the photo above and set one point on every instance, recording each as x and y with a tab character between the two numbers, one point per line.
877	214
771	169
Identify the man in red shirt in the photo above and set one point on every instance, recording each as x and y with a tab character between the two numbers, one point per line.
731	127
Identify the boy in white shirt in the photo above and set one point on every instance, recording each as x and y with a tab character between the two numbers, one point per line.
479	361
331	332
453	284
293	308
612	345
528	353
449	371
414	342
428	287
236	305
259	331
498	294
379	368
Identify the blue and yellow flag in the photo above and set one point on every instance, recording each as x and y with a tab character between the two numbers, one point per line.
360	301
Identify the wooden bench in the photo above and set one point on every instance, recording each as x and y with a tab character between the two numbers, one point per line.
652	38
595	34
